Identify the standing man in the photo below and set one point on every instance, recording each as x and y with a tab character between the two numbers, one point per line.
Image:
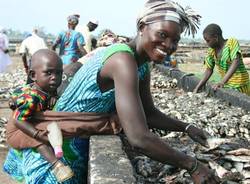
86	32
4	56
28	47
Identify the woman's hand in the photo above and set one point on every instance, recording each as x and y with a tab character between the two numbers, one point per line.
197	135
196	90
218	85
203	175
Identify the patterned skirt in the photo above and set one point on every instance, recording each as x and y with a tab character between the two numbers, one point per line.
29	166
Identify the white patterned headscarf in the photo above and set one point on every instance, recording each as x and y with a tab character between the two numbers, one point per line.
161	10
73	19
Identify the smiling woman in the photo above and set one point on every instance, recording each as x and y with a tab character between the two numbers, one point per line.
162	38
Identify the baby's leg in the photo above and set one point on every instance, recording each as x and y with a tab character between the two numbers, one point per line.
47	152
60	170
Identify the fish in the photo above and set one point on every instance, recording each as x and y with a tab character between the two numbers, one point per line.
214	142
240	151
221	171
246	174
237	158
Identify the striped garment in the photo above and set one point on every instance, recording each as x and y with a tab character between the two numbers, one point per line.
240	79
82	95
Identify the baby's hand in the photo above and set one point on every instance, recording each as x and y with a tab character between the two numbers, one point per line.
52	102
12	104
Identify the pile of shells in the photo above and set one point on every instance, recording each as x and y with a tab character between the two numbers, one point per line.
3	122
229	152
10	81
213	115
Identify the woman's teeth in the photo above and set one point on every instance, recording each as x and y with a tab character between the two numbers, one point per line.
161	52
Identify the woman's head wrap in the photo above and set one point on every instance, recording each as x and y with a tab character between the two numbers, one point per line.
73	19
160	10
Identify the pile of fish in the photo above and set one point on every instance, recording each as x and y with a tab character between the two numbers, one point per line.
229	147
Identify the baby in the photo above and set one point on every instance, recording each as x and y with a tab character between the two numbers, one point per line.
46	72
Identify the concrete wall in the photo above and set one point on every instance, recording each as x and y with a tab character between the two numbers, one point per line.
108	163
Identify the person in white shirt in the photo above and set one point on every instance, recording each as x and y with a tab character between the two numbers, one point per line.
86	32
4	56
28	47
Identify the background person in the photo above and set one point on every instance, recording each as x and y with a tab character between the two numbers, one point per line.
29	46
70	42
226	55
86	32
107	38
4	56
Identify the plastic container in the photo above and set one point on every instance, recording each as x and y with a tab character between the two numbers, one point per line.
55	138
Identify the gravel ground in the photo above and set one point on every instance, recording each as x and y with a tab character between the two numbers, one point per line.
174	102
5	112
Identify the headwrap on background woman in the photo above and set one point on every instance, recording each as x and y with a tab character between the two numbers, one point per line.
73	19
158	10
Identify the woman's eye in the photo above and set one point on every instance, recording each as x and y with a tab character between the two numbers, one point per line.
163	35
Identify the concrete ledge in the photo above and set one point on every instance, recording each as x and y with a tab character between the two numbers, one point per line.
108	163
188	81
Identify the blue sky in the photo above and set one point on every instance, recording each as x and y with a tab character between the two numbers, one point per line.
118	15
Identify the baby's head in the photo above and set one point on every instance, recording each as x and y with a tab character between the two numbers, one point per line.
46	70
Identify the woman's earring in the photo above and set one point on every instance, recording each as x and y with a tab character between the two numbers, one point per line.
140	33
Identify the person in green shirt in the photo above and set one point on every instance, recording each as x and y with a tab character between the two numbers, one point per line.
226	55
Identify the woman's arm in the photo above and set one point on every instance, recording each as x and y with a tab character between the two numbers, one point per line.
155	118
54	46
159	120
122	68
202	82
233	67
82	49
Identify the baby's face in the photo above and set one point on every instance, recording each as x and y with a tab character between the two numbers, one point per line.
48	76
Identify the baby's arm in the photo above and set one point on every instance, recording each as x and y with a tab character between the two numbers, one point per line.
26	106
